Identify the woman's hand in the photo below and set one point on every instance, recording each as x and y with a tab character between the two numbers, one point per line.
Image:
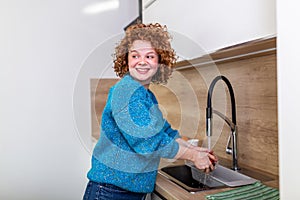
204	159
201	157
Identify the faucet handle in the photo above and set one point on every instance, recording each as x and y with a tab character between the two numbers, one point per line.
228	148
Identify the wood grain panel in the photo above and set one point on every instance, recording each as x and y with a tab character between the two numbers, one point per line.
254	81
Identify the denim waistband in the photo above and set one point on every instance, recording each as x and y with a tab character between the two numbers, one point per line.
108	185
107	191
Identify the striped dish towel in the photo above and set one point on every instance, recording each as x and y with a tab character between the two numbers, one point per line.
256	191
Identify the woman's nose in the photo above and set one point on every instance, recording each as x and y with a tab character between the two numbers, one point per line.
142	61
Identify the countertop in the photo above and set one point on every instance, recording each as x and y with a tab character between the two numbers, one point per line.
172	191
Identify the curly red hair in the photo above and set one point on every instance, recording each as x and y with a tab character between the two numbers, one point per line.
159	38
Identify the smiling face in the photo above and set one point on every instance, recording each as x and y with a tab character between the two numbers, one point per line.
142	61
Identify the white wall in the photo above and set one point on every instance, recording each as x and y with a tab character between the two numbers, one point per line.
288	16
214	24
44	45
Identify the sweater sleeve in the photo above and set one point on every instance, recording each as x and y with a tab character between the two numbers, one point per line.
142	124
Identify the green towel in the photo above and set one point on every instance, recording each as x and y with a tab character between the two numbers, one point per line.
256	191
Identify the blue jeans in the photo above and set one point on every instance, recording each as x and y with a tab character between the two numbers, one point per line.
104	191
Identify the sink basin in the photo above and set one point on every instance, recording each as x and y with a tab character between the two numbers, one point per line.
224	175
194	180
182	175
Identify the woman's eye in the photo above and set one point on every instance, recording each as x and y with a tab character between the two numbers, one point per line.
151	56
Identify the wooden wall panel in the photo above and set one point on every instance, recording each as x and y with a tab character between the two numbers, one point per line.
254	82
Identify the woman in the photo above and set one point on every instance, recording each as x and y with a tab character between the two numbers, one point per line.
134	134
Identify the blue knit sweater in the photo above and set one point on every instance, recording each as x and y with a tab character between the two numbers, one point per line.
134	136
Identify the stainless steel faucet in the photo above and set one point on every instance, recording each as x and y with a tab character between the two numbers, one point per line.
233	150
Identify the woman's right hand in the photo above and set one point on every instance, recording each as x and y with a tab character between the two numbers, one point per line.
204	160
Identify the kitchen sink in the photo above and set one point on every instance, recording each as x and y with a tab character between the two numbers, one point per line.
194	180
182	176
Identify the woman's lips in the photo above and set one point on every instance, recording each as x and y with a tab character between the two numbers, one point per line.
142	70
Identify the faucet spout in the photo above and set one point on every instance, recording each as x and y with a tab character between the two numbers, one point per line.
231	123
